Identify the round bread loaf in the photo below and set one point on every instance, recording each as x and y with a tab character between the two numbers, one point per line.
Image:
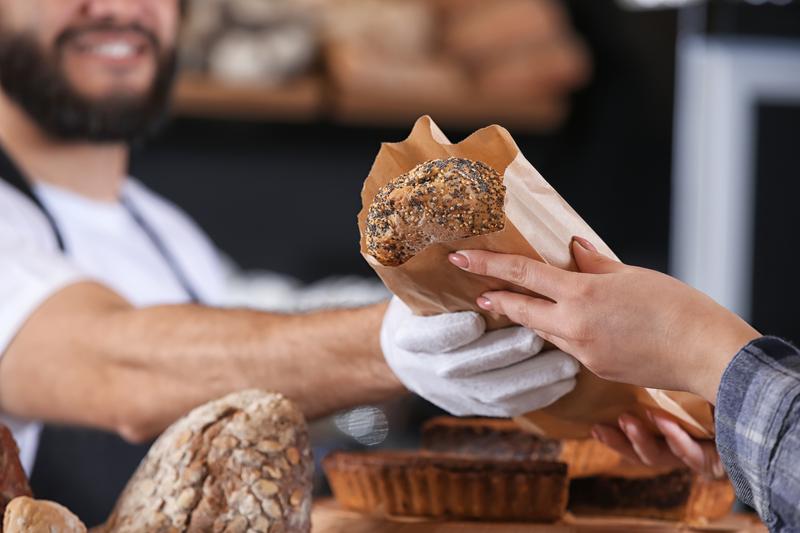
437	201
234	465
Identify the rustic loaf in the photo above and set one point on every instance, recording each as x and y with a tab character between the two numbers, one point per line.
438	201
26	515
241	463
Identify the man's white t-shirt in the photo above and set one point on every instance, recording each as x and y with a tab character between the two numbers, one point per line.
105	244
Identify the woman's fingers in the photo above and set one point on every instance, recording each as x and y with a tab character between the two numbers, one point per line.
533	313
651	450
702	457
676	449
534	275
590	261
617	441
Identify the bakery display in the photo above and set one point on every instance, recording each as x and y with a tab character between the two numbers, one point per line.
503	439
441	486
264	42
13	482
601	483
437	201
383	62
26	515
390	61
241	463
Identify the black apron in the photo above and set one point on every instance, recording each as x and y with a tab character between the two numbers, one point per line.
85	469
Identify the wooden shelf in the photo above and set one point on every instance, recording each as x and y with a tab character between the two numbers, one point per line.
310	98
202	96
402	109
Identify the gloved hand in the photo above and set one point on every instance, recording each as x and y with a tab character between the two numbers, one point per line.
452	362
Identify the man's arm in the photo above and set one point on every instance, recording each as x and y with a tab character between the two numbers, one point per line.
88	357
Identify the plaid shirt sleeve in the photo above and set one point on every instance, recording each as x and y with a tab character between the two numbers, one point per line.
758	429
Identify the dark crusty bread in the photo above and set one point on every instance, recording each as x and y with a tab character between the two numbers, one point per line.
13	482
438	201
504	439
238	464
646	492
26	515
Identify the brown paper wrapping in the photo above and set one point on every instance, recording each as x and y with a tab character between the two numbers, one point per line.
540	225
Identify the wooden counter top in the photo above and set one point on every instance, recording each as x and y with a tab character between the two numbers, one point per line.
328	517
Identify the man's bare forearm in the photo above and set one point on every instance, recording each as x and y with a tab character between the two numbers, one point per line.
87	357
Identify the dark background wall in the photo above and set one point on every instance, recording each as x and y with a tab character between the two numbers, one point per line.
776	287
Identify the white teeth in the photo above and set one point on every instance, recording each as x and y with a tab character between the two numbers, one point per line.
117	50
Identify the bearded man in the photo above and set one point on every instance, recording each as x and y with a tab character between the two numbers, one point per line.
108	324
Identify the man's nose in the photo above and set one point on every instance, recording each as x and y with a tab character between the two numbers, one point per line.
122	11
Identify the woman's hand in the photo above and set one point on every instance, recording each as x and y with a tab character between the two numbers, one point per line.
672	447
624	323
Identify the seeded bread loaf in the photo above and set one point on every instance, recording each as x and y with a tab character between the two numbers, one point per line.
238	464
26	515
438	201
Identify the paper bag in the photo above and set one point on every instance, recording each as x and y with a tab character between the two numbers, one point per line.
539	224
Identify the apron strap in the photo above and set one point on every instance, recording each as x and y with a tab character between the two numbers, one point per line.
83	469
11	174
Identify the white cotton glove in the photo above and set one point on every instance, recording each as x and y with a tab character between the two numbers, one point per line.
452	362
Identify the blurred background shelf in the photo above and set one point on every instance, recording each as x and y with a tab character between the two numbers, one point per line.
463	111
379	63
309	98
203	96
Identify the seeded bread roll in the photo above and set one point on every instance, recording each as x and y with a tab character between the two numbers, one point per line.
438	201
238	464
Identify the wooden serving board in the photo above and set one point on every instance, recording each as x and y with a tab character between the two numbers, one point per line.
328	517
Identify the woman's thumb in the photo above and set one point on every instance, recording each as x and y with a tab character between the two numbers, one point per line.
589	260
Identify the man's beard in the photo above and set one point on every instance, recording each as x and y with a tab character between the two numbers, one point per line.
35	81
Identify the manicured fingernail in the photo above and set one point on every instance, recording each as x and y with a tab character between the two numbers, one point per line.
597	435
485	303
650	416
583	243
459	260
